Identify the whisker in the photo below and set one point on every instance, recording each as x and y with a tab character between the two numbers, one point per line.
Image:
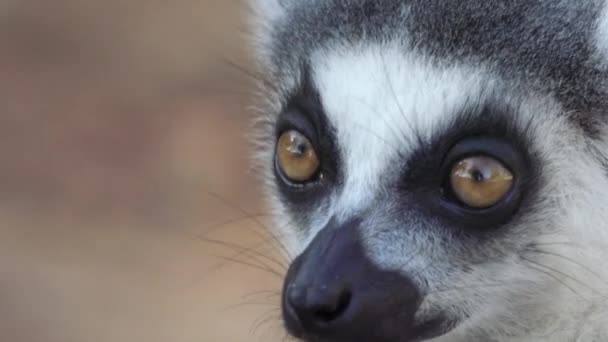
542	268
268	230
469	287
565	243
565	275
595	274
251	252
400	107
242	93
271	315
252	75
273	240
252	265
375	134
215	226
263	292
244	304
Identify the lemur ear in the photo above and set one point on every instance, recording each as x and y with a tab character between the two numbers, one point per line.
265	16
601	35
267	11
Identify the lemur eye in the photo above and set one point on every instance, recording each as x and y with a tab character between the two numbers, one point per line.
480	182
296	157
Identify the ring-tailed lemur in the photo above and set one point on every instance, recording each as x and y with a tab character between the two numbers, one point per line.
438	167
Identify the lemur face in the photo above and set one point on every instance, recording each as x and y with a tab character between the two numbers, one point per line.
437	169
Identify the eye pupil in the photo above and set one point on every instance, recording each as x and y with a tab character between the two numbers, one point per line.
477	175
298	147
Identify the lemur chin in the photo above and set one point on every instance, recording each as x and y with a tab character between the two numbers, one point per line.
438	168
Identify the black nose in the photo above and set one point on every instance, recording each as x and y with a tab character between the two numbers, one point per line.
333	292
316	308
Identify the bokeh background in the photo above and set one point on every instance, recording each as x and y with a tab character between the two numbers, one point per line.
122	161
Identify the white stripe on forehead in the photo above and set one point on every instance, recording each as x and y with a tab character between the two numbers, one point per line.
378	98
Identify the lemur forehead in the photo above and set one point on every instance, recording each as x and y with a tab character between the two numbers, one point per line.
545	45
381	102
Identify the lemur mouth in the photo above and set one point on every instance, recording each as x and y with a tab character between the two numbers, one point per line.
431	329
420	333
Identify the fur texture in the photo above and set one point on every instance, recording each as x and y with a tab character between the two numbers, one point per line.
395	79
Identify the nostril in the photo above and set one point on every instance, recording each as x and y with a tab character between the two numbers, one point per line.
317	307
331	311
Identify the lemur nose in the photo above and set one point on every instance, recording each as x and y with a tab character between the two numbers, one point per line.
334	292
317	308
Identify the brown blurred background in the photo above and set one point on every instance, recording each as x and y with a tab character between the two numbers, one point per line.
122	159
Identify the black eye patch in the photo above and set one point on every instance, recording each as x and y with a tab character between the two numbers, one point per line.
304	113
492	148
490	134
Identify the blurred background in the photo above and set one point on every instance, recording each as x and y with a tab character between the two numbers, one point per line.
123	164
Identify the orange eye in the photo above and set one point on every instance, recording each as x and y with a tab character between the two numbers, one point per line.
296	157
480	182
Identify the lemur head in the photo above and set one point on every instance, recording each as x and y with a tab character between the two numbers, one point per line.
438	168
